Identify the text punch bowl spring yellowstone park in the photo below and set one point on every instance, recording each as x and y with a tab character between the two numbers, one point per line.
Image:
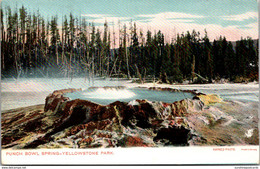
121	116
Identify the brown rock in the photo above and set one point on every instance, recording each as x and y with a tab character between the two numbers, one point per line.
139	123
133	141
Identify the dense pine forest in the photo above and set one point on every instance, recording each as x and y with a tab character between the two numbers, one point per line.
34	46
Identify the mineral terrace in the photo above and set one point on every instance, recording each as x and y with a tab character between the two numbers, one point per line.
63	123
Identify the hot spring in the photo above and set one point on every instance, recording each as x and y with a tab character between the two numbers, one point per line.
107	95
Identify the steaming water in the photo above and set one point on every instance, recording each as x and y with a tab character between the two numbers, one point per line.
32	91
106	96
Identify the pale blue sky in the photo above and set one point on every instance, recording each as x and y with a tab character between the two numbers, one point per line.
218	14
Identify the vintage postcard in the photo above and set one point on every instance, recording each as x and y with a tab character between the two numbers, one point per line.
129	82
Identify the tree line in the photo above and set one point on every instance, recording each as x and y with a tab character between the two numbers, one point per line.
32	45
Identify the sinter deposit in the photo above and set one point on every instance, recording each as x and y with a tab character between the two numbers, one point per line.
65	123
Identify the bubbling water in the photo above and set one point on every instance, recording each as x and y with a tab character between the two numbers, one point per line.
107	95
112	93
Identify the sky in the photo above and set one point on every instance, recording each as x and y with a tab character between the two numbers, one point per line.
230	18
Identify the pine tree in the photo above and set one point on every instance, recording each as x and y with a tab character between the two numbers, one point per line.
125	62
34	40
208	54
71	42
15	43
55	37
99	49
135	46
92	48
43	43
30	41
23	17
253	60
177	75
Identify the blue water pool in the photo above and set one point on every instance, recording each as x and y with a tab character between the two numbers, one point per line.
106	96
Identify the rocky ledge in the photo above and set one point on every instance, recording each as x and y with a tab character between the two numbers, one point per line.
64	123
